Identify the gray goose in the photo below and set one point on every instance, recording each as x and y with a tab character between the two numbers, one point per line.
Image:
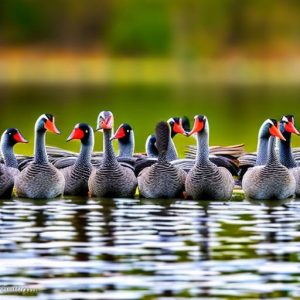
162	179
259	158
9	169
110	178
40	179
206	180
177	125
77	174
272	180
125	136
286	157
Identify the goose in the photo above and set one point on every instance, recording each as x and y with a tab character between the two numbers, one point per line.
261	156
286	157
176	126
77	175
40	179
162	179
110	179
125	136
9	169
272	180
206	180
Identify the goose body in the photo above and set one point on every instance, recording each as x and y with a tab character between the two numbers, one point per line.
40	179
206	180
77	175
9	169
110	178
162	179
271	181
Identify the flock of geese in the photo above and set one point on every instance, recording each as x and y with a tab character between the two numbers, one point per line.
206	172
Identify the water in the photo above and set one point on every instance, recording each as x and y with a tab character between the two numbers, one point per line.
75	248
235	113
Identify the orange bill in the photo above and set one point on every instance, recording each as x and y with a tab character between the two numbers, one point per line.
50	125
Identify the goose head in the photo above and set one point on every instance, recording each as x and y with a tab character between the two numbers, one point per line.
83	132
123	133
270	127
105	121
200	122
287	124
175	124
46	122
12	136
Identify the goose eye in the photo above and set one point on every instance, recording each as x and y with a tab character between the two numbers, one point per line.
86	131
127	130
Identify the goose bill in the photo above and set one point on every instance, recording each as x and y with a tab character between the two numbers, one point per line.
120	133
106	123
178	128
290	127
198	126
276	132
76	134
19	138
50	125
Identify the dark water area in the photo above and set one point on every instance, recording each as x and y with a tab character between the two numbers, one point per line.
76	248
235	113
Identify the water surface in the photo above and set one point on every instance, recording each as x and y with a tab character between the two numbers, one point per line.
75	248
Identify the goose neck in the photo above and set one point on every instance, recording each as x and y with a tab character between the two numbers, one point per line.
262	151
171	150
203	146
85	154
285	151
126	148
108	153
272	155
9	157
40	154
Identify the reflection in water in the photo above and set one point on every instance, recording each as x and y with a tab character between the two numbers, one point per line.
80	248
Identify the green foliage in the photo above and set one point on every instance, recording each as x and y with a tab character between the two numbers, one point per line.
153	27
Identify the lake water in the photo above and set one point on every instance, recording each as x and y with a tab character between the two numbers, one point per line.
75	248
235	113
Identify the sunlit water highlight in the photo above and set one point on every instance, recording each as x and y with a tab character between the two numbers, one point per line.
75	248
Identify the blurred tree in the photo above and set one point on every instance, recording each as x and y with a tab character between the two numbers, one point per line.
185	28
140	27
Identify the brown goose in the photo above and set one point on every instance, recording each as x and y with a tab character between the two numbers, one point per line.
9	169
162	179
110	179
77	175
206	180
40	179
